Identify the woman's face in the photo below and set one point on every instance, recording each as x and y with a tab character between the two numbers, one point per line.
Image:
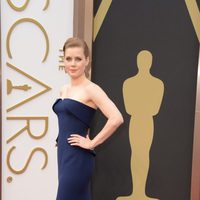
75	61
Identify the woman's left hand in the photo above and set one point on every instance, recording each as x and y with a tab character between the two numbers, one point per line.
78	140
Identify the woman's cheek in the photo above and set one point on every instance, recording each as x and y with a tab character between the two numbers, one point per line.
66	70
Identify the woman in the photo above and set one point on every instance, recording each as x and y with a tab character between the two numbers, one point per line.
75	109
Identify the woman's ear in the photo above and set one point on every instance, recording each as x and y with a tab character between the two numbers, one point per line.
87	61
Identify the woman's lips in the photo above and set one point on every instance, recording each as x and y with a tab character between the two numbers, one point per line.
72	70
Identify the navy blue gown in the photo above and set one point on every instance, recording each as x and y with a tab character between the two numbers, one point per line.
75	164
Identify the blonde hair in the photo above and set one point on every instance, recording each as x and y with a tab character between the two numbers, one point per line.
77	42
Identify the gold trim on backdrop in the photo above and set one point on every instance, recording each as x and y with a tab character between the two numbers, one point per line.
194	13
83	23
100	16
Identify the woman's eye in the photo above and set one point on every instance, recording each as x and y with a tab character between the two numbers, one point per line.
78	59
68	58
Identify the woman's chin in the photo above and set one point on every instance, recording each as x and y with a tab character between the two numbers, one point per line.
74	76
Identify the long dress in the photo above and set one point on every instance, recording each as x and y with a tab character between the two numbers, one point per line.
75	164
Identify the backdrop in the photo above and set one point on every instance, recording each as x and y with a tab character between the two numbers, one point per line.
165	29
32	34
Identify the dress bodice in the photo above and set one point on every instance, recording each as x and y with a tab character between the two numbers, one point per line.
73	115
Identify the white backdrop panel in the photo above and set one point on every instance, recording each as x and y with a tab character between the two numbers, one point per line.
29	88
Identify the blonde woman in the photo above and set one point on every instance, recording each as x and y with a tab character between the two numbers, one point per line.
75	109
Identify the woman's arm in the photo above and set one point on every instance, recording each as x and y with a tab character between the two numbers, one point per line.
109	109
111	112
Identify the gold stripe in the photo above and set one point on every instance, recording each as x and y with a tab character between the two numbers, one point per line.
195	15
100	16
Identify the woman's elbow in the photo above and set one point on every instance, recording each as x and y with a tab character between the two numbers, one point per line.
118	120
121	120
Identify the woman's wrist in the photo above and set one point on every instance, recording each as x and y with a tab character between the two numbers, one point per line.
92	146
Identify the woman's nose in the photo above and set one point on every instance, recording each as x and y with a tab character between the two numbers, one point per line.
73	63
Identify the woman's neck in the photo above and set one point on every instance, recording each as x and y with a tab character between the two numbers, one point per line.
78	81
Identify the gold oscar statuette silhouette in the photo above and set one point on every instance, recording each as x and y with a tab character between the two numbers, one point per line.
20	87
143	94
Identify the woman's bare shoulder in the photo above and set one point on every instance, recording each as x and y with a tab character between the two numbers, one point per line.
93	87
95	92
64	88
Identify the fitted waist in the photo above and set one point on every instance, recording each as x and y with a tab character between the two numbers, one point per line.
72	125
67	132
